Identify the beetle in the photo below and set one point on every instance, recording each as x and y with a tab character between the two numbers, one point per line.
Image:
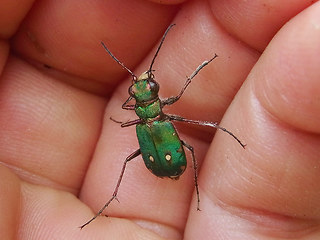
161	148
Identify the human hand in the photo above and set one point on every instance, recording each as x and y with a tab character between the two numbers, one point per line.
59	89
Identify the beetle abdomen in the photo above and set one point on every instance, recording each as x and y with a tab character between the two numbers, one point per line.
161	149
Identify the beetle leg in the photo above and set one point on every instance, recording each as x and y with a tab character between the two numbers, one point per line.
116	121
115	192
127	106
129	123
205	123
133	122
195	168
172	100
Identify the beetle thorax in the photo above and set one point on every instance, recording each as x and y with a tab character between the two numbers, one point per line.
145	91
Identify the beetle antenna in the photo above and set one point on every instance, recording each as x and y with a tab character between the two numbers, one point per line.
161	42
134	77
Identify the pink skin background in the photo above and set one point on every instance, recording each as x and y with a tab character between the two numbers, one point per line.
61	155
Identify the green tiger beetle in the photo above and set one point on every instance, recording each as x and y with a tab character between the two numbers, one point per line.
160	146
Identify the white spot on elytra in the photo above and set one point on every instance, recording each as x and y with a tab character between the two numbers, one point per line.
168	157
151	158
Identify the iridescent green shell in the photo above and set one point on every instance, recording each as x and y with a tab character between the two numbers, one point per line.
161	149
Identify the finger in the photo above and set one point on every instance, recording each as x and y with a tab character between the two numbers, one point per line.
12	14
49	129
66	37
268	190
9	203
11	17
255	22
57	214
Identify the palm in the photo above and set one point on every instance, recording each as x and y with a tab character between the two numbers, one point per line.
58	139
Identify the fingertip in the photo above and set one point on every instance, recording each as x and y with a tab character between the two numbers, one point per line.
289	86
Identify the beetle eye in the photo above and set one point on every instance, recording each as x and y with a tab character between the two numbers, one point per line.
131	92
154	87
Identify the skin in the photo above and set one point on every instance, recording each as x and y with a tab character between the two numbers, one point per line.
61	155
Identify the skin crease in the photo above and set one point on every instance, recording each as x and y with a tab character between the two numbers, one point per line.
61	155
